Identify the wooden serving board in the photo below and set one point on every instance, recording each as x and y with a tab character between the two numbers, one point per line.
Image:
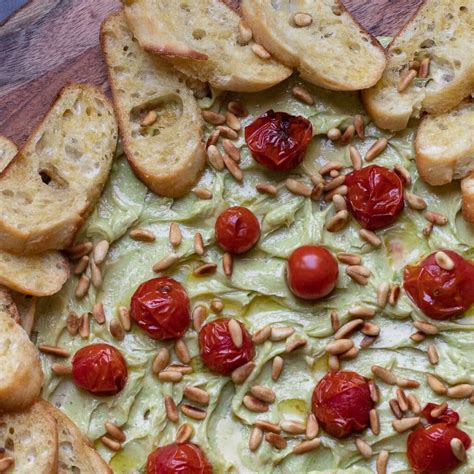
49	43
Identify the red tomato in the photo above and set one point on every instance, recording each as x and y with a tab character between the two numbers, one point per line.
237	230
312	272
186	458
374	196
449	416
279	140
160	307
100	369
341	403
439	293
429	450
217	350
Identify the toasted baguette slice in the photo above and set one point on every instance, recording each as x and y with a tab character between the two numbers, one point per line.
21	377
7	151
58	175
442	30
31	438
168	155
334	51
201	38
467	189
445	145
75	454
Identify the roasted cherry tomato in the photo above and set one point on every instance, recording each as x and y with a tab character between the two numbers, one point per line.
374	196
341	403
440	293
217	349
448	416
186	458
237	230
100	369
312	272
160	307
279	140
429	450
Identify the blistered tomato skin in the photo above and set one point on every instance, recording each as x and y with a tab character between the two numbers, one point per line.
312	272
99	369
341	403
217	350
174	458
440	293
160	307
279	140
449	416
237	230
429	450
374	196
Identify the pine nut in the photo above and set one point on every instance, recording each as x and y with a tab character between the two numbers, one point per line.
293	427
302	94
82	286
334	134
337	222
407	383
172	376
302	20
245	35
342	190
374	391
196	394
228	132
81	265
149	119
234	123
433	355
72	323
361	312
198	244
213	118
237	108
275	440
348	134
53	350
298	188
111	444
116	330
61	369
295	344
418	337
403	173
348	328
262	335
405	424
236	334
281	333
359	274
426	328
214	157
335	323
436	218
424	69
124	318
306	446
213	138
205	269
165	263
415	202
462	390
370	329
184	433
142	235
233	167
98	313
394	294
175	235
96	275
406	79
217	305
182	352
356	159
367	341
114	431
382	462
312	426
260	51
377	148
334	183
339	203
202	193
100	251
262	393
254	404
277	368
160	361
241	374
349	258
436	385
395	407
359	126
439	410
6	462
458	449
330	166
227	264
415	64
414	404
231	149
199	316
370	237
402	400
374	422
339	347
333	363
78	251
268	426
444	260
364	448
256	438
266	189
384	374
352	353
193	412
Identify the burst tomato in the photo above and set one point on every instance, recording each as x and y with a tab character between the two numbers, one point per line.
237	230
429	450
312	272
440	293
160	307
279	140
174	458
100	369
374	196
449	416
217	349
341	403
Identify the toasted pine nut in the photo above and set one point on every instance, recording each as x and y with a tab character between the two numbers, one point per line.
256	438
231	149
361	312
268	426
359	273
82	286
184	433
334	134
267	189
275	440
196	394
213	118
165	263
406	79
306	446
277	368
427	229
395	407
436	218
111	444
418	336
217	305
317	192
236	334
281	333
254	404
172	376
403	173
293	427
370	237
175	235
337	222
143	235
124	318
53	350
334	183
228	132
193	412
61	370
298	188
81	265
374	391
382	462
294	344
370	329
262	335
439	410
459	451
377	148
364	448
436	385
234	123
382	294
237	108
374	422
342	190
333	363
444	260
415	202
356	159
312	427
241	374
348	134
100	251
359	126
402	400
414	404
205	269
96	275
149	119
227	264
182	351
98	313
348	328
72	323
462	390
260	51
433	355
114	431
426	328
330	166
349	258
245	34
233	167
384	374
302	20
202	193
214	156
264	394
339	347
424	69
302	94
161	360
339	203
405	424
350	354
367	341
78	251
407	383
116	329
335	323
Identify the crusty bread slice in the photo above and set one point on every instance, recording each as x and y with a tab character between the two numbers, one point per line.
30	437
333	51
7	151
445	145
75	455
442	30
467	189
55	179
21	376
202	39
168	155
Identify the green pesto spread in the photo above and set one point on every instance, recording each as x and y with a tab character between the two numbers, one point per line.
258	295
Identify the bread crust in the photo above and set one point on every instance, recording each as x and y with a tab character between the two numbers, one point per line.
467	189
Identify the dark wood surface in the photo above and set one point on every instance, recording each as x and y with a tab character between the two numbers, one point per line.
49	43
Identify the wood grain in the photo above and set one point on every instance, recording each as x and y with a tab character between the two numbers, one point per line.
49	43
